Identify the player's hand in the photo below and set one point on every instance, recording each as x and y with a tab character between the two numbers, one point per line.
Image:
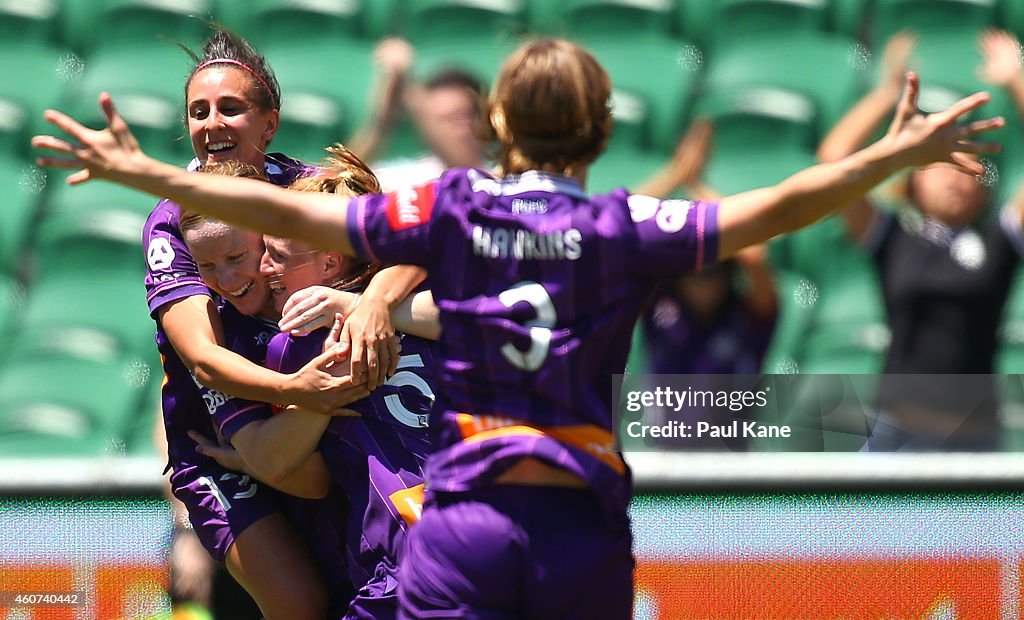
921	139
323	384
108	153
225	455
314	307
1002	54
375	346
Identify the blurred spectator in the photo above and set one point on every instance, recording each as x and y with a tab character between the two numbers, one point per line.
945	269
716	321
444	109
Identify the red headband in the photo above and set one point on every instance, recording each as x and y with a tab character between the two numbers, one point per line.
229	61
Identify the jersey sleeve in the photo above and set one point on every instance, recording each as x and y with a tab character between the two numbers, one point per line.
231	414
394	227
171	274
672	236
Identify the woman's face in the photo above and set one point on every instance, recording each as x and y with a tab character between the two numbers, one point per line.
224	121
945	193
291	266
229	263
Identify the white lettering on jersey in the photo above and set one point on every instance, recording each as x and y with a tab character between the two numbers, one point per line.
526	245
160	254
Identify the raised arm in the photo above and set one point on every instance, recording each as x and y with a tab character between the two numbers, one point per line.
684	171
854	130
114	154
859	124
393	57
1002	67
913	139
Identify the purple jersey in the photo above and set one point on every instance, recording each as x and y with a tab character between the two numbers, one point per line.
317	521
221	504
376	458
172	275
541	287
188	405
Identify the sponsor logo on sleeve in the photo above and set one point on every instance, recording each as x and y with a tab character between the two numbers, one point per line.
160	254
410	206
670	215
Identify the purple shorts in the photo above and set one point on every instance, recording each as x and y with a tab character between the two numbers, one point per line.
222	504
517	552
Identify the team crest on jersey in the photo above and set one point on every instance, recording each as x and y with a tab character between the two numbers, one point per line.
160	254
410	206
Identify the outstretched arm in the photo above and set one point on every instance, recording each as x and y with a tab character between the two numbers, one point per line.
913	139
113	154
856	127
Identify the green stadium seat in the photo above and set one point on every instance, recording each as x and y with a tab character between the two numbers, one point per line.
652	83
695	20
309	122
927	16
792	318
91	228
382	17
43	67
12	295
68	404
104	313
131	22
147	84
93	197
318	110
731	173
92	24
20	191
764	119
849	17
624	166
268	21
31	21
736	21
820	66
604	17
479	56
89	242
848	332
425	21
1011	16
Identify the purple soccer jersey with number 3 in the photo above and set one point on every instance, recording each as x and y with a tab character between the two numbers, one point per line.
538	286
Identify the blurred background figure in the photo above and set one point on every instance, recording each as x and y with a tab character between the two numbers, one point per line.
946	261
444	109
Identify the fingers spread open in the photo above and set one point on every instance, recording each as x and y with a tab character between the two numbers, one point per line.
965	105
67	124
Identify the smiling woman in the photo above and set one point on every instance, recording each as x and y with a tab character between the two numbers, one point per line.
232	102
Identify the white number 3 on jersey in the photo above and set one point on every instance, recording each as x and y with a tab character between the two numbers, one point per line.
540	327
